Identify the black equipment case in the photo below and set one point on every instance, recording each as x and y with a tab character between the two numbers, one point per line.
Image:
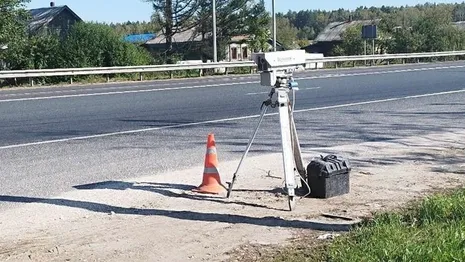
328	176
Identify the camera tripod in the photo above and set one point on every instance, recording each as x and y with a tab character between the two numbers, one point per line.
292	156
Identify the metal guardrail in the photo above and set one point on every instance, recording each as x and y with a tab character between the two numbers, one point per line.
120	69
387	56
220	65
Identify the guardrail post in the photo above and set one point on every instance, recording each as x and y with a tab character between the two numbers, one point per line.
141	77
31	81
336	65
418	60
171	75
200	72
226	71
387	62
403	61
71	80
108	78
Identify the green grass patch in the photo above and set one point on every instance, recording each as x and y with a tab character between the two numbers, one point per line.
430	230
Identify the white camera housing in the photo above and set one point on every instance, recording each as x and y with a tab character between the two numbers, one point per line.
273	65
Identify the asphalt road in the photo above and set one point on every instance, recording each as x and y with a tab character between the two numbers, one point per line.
52	139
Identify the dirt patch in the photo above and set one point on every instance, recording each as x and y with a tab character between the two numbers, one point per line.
158	218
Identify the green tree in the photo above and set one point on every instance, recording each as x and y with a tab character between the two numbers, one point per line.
352	43
432	30
13	21
404	40
306	33
97	45
174	16
129	28
42	51
234	18
286	33
258	24
429	29
403	17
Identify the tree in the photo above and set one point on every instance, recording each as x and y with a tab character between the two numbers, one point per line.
13	29
42	51
404	40
286	33
258	24
427	29
98	45
352	43
174	16
234	17
398	16
129	28
432	30
306	33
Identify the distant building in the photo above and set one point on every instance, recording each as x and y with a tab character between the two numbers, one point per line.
332	35
53	19
138	38
238	48
189	43
185	42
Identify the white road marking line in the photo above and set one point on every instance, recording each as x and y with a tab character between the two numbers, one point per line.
121	92
226	84
380	72
227	120
261	93
258	93
101	88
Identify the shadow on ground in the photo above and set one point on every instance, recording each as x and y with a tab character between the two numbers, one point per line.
166	190
175	214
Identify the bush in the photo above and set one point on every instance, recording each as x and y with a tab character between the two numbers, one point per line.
98	45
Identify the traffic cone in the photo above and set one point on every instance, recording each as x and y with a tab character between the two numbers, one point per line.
211	182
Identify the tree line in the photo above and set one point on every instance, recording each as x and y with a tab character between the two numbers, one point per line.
85	44
100	45
419	28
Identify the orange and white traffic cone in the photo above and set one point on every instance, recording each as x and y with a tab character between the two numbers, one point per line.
211	182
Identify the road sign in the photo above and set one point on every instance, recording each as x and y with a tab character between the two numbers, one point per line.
369	32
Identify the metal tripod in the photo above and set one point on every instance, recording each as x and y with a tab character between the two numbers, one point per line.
292	156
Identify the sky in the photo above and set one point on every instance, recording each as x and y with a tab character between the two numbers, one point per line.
138	10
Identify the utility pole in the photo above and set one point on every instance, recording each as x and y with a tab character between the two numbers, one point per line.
274	25
215	55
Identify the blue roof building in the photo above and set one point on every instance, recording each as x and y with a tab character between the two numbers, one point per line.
139	38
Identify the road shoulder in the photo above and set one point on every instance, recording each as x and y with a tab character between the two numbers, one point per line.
158	218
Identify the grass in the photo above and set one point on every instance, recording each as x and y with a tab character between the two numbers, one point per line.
430	230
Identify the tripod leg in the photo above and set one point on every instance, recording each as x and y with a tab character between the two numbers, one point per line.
231	184
286	137
296	145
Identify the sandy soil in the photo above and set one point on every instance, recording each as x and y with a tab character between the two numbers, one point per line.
158	218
